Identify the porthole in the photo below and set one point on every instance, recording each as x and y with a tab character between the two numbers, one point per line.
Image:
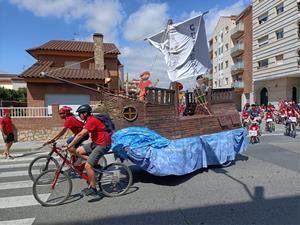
130	113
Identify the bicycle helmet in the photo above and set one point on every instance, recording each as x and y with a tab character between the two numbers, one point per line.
84	108
65	109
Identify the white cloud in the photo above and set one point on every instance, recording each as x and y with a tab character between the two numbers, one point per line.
212	18
150	18
99	15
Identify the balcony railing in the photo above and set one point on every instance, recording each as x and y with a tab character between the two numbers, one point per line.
237	31
237	49
237	66
29	112
238	84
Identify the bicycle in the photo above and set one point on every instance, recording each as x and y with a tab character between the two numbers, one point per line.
113	180
290	127
48	162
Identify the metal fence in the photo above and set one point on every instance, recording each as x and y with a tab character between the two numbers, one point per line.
28	112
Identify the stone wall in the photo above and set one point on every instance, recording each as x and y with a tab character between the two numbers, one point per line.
39	135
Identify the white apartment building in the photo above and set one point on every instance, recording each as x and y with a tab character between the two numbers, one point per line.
276	50
220	46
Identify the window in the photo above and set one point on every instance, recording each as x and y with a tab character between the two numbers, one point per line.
226	81
263	18
215	69
72	64
298	3
216	54
279	8
263	63
221	65
279	59
220	50
279	34
226	30
216	84
226	64
221	37
216	38
226	47
263	41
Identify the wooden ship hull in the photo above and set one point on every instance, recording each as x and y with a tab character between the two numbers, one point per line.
159	113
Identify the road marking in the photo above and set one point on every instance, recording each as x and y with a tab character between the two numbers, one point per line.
15	185
28	221
20	201
17	173
22	159
15	165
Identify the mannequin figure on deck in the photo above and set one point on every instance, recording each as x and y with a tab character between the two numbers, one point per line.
144	82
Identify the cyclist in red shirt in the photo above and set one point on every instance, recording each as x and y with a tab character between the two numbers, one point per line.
92	152
6	127
70	123
269	114
290	111
271	107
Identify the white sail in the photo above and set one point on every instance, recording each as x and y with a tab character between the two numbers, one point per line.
185	49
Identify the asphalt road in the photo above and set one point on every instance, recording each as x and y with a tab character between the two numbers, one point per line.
261	187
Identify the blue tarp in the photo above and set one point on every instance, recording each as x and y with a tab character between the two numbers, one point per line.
161	156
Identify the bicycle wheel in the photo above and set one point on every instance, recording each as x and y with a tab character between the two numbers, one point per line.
41	164
115	180
51	190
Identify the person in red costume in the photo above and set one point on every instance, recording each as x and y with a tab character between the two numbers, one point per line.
6	127
144	82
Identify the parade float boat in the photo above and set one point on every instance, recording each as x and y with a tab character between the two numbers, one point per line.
157	137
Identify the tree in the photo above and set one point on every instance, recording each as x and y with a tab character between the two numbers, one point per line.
13	95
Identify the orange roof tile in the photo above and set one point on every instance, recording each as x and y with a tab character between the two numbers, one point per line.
75	46
65	73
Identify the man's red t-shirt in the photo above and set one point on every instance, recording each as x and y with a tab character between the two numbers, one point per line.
282	111
98	131
254	127
73	124
7	125
290	112
269	115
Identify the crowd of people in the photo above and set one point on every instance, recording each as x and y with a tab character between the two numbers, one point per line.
252	115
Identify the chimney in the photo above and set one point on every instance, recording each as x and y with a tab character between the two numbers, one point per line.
98	51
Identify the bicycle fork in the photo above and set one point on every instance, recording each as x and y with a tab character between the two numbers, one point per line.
57	173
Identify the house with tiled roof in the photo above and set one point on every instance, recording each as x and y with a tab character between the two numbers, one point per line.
93	64
11	81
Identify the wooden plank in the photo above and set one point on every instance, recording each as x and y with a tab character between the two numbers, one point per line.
224	120
235	118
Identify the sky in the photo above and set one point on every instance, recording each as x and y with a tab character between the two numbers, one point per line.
30	23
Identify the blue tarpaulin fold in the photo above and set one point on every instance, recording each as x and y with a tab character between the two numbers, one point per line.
161	156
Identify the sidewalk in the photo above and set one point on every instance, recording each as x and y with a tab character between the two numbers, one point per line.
26	146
